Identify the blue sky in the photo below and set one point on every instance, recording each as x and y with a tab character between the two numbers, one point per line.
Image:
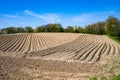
67	12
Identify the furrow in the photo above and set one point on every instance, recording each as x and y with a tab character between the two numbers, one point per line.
97	54
86	53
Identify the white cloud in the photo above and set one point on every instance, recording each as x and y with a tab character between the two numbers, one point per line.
11	16
46	17
81	17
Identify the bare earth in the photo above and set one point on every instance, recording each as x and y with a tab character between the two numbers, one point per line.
57	56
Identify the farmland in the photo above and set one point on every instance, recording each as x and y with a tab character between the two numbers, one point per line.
44	56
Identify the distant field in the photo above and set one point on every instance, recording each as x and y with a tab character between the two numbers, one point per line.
82	54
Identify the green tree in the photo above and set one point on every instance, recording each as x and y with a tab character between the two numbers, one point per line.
20	30
91	29
29	29
52	28
113	26
96	28
10	30
100	28
38	29
78	29
59	27
69	29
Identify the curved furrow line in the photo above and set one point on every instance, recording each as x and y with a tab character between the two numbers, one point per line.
20	46
76	47
77	52
107	49
37	43
97	54
90	54
84	50
44	41
38	47
28	44
32	42
104	49
3	45
81	48
86	53
94	51
41	39
80	44
72	48
25	47
111	52
47	41
40	42
3	38
9	44
77	43
50	41
114	51
6	41
117	50
15	44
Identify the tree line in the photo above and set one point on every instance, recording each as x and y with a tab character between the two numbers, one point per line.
110	26
56	27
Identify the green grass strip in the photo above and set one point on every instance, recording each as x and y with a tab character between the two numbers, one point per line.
116	39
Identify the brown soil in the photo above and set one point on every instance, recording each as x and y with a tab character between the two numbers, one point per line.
30	69
57	56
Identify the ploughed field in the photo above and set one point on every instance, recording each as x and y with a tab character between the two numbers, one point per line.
52	56
59	46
